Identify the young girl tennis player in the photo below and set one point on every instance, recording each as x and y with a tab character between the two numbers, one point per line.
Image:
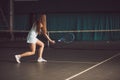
39	27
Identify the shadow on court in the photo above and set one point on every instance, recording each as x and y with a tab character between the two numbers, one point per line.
63	63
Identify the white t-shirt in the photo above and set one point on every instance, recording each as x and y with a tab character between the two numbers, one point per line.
32	35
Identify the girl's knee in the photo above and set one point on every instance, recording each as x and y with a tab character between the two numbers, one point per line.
42	45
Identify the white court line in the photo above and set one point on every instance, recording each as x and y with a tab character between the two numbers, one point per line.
69	78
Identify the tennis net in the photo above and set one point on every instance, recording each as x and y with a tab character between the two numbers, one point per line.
90	39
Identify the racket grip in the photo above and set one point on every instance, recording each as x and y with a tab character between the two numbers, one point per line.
59	40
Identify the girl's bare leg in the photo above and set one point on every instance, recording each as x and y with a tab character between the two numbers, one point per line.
40	51
41	48
28	53
31	52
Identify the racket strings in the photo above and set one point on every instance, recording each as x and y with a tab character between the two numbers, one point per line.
67	38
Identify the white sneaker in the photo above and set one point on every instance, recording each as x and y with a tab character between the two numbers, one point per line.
17	57
41	60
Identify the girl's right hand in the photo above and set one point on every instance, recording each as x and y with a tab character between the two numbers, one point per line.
52	41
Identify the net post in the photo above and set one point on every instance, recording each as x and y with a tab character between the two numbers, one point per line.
11	19
48	43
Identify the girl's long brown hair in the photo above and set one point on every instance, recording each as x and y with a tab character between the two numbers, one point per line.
42	20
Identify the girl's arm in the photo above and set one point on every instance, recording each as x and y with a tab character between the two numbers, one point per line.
46	35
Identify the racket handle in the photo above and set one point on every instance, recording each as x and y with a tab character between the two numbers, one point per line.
60	40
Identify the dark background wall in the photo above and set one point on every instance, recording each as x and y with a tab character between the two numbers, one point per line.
105	12
72	6
62	6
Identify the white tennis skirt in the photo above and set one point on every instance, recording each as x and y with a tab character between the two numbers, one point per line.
31	40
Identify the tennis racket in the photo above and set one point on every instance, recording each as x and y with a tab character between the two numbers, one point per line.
63	40
67	38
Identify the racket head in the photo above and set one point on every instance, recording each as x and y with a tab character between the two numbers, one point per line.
62	39
67	38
